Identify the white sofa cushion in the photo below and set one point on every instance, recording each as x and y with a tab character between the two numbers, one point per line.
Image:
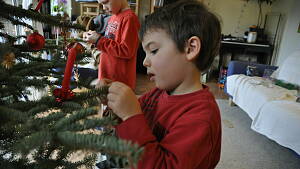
251	93
289	71
280	121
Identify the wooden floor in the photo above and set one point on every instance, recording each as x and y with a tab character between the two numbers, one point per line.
144	85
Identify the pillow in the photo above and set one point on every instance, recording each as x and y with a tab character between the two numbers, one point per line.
252	71
289	71
268	73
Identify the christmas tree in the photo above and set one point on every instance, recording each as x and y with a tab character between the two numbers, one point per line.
45	132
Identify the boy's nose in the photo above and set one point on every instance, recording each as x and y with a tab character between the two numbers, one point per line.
146	62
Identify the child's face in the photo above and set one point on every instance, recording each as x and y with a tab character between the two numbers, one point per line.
166	65
111	6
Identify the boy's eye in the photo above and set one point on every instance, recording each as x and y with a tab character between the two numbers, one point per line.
154	51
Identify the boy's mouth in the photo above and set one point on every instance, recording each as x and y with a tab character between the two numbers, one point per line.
151	76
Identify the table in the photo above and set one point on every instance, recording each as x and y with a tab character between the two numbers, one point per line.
262	51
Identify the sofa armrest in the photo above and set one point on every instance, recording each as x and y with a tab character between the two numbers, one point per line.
240	67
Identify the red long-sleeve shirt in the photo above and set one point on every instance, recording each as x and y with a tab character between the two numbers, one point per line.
177	132
119	48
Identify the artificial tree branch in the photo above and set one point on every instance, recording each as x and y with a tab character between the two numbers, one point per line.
31	14
14	20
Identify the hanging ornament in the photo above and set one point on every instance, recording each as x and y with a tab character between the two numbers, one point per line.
65	93
35	41
9	60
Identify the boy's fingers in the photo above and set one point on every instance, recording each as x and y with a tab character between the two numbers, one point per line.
117	88
107	81
103	82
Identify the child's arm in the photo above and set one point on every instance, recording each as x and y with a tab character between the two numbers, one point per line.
189	144
127	47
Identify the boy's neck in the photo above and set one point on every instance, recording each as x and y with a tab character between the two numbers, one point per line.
124	6
124	9
190	85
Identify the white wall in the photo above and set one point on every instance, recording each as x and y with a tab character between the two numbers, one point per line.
290	40
237	15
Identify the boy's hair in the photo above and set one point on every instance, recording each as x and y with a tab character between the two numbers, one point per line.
184	19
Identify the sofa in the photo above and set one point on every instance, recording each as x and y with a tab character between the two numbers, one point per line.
273	109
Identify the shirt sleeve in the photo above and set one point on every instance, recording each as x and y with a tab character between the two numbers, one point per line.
188	144
126	48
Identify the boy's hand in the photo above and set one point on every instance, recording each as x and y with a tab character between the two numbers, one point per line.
101	83
122	100
91	36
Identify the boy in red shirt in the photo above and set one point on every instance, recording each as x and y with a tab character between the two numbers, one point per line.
119	44
178	123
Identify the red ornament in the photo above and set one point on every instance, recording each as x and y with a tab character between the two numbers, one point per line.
35	41
69	95
56	92
64	93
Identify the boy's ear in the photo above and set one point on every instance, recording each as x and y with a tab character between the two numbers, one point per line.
193	47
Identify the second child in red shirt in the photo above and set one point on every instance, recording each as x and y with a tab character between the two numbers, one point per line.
119	44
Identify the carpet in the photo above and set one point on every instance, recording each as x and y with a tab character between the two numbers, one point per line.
243	148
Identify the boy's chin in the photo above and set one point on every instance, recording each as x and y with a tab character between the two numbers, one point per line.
161	87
